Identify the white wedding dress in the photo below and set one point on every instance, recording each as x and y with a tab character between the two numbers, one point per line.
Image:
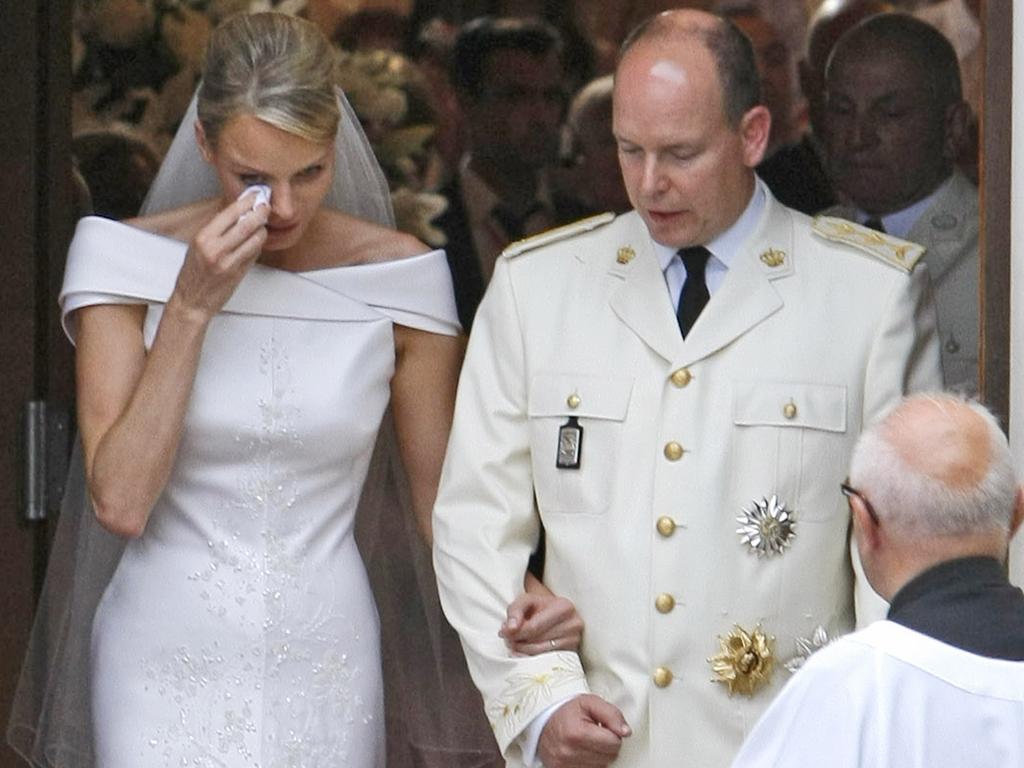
239	629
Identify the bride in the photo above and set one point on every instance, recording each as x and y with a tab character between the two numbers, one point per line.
236	355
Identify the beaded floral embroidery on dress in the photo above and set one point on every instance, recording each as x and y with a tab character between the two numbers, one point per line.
286	697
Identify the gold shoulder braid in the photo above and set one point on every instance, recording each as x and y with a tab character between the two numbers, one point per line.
559	233
898	253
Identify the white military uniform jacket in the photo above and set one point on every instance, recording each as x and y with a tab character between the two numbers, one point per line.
948	230
805	341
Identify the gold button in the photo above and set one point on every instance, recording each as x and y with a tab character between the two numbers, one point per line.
789	410
666	526
664	602
673	451
663	677
681	377
573	401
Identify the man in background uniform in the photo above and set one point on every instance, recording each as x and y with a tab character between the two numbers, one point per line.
894	123
673	394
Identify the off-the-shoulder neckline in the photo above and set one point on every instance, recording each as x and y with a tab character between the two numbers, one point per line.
317	270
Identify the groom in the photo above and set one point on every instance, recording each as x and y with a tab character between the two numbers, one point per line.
673	395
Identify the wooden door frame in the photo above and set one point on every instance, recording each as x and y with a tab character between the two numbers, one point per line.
995	168
37	202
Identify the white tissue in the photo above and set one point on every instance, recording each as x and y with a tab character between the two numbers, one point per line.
262	195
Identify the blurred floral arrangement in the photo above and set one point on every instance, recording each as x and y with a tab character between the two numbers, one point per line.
136	64
389	95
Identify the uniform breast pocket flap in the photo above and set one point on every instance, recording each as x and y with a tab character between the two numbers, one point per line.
792	441
783	404
576	424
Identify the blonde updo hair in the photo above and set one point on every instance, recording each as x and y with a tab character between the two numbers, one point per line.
275	67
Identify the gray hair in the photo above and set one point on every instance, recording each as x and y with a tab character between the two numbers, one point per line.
906	499
275	67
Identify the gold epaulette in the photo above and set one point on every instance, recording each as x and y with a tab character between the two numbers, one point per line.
558	233
901	254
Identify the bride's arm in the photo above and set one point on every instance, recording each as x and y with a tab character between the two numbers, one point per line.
422	399
539	621
131	405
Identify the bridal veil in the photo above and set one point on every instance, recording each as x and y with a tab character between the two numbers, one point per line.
435	717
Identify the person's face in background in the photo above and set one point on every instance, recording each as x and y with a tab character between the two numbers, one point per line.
828	24
597	175
778	77
298	171
598	155
885	130
518	113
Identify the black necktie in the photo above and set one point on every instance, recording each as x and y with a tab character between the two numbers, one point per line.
695	290
875	223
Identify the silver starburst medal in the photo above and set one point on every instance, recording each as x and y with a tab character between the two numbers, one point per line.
807	646
767	527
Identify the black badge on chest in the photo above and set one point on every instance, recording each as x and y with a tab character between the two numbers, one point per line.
570	445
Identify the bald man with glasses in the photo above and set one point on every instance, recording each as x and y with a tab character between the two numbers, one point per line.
940	682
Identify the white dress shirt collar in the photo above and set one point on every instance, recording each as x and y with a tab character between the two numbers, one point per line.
477	196
901	222
723	248
479	200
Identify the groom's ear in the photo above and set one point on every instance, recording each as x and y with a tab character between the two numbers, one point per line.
201	140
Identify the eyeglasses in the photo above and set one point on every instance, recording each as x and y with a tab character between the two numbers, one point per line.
848	491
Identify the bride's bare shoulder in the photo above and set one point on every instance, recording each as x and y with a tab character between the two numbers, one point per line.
177	223
366	242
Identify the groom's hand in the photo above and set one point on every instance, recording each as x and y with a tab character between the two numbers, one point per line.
585	731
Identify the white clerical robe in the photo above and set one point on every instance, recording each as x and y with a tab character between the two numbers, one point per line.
890	697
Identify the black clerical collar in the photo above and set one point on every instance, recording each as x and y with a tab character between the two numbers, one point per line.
951	573
967	603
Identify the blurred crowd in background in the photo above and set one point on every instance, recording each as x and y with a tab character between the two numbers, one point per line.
538	135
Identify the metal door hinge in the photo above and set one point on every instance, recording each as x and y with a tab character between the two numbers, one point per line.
47	445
